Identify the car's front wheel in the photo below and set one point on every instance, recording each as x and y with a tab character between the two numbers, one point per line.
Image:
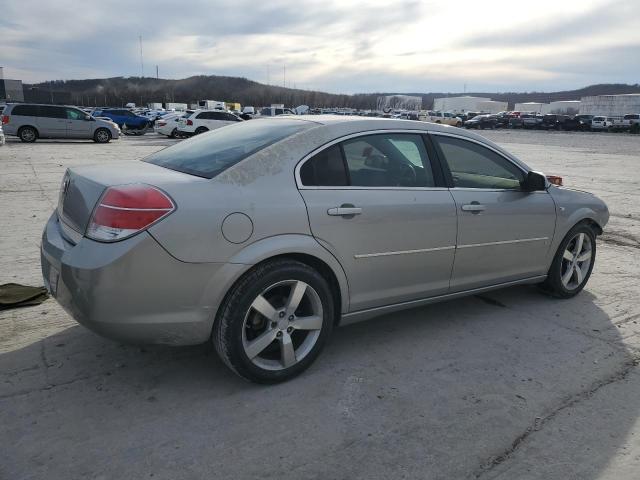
275	321
573	263
102	135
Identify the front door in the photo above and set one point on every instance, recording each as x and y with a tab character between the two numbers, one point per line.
504	233
374	203
77	126
52	121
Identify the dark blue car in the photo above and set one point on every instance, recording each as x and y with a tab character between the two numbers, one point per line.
123	117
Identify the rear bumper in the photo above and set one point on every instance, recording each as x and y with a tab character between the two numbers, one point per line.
133	290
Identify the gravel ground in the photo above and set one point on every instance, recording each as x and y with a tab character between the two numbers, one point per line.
507	385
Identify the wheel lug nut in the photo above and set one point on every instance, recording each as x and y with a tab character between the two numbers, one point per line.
281	314
290	329
291	318
279	334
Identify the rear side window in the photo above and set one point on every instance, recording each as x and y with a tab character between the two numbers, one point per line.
208	155
381	160
475	166
25	110
325	169
50	111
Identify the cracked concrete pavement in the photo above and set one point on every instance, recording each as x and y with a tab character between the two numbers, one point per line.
507	385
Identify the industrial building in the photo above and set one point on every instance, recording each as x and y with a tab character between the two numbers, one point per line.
529	107
566	107
11	90
610	105
458	104
400	102
491	106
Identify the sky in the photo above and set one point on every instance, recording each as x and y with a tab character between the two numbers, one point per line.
336	46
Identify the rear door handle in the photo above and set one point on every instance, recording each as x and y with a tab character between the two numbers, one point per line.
344	210
473	207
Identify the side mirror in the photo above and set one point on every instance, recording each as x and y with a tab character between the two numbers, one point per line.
88	118
534	182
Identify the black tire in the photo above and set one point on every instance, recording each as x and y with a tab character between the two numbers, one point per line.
200	130
553	285
102	135
174	133
229	328
28	134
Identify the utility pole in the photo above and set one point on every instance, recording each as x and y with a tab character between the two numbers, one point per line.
141	61
268	76
284	76
157	75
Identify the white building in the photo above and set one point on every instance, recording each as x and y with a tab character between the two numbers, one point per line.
529	107
491	106
562	107
610	105
458	104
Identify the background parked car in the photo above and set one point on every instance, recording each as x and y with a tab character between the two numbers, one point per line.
531	120
201	121
168	125
631	119
124	118
481	122
601	123
30	121
444	118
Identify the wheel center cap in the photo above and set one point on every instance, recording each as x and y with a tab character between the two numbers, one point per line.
283	323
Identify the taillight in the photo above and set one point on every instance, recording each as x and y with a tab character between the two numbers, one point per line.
161	124
5	119
189	122
125	210
555	179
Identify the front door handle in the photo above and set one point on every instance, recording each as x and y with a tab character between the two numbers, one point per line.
473	207
344	210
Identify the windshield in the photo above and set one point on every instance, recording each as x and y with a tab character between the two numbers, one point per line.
209	154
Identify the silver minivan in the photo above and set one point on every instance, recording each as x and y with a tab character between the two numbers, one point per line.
32	121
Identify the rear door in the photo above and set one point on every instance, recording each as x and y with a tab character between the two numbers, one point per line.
377	202
504	233
52	121
77	126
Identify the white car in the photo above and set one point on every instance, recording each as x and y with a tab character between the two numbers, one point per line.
630	120
168	125
1	136
201	121
601	123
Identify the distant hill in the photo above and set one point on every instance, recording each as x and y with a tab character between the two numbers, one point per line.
120	90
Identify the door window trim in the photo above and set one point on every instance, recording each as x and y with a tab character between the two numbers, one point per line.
447	172
429	147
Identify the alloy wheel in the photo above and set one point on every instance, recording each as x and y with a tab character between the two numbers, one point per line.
282	325
576	261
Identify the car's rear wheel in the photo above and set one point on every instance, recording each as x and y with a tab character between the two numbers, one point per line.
274	322
102	135
174	133
200	130
28	134
573	263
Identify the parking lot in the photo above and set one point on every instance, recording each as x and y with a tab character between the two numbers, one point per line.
510	384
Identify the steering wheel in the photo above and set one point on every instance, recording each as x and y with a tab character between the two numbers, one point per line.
406	175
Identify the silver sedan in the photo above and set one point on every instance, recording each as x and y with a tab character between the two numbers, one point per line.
263	236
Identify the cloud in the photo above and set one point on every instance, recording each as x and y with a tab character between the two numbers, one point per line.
355	46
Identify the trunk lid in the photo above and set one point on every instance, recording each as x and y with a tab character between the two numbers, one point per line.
82	187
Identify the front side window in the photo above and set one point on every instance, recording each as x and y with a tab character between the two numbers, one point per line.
475	166
208	155
73	114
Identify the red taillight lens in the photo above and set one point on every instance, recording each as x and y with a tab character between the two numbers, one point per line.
161	124
555	179
5	119
189	122
126	210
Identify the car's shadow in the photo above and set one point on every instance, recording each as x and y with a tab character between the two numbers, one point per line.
436	392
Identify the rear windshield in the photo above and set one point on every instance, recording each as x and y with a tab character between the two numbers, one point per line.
211	153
